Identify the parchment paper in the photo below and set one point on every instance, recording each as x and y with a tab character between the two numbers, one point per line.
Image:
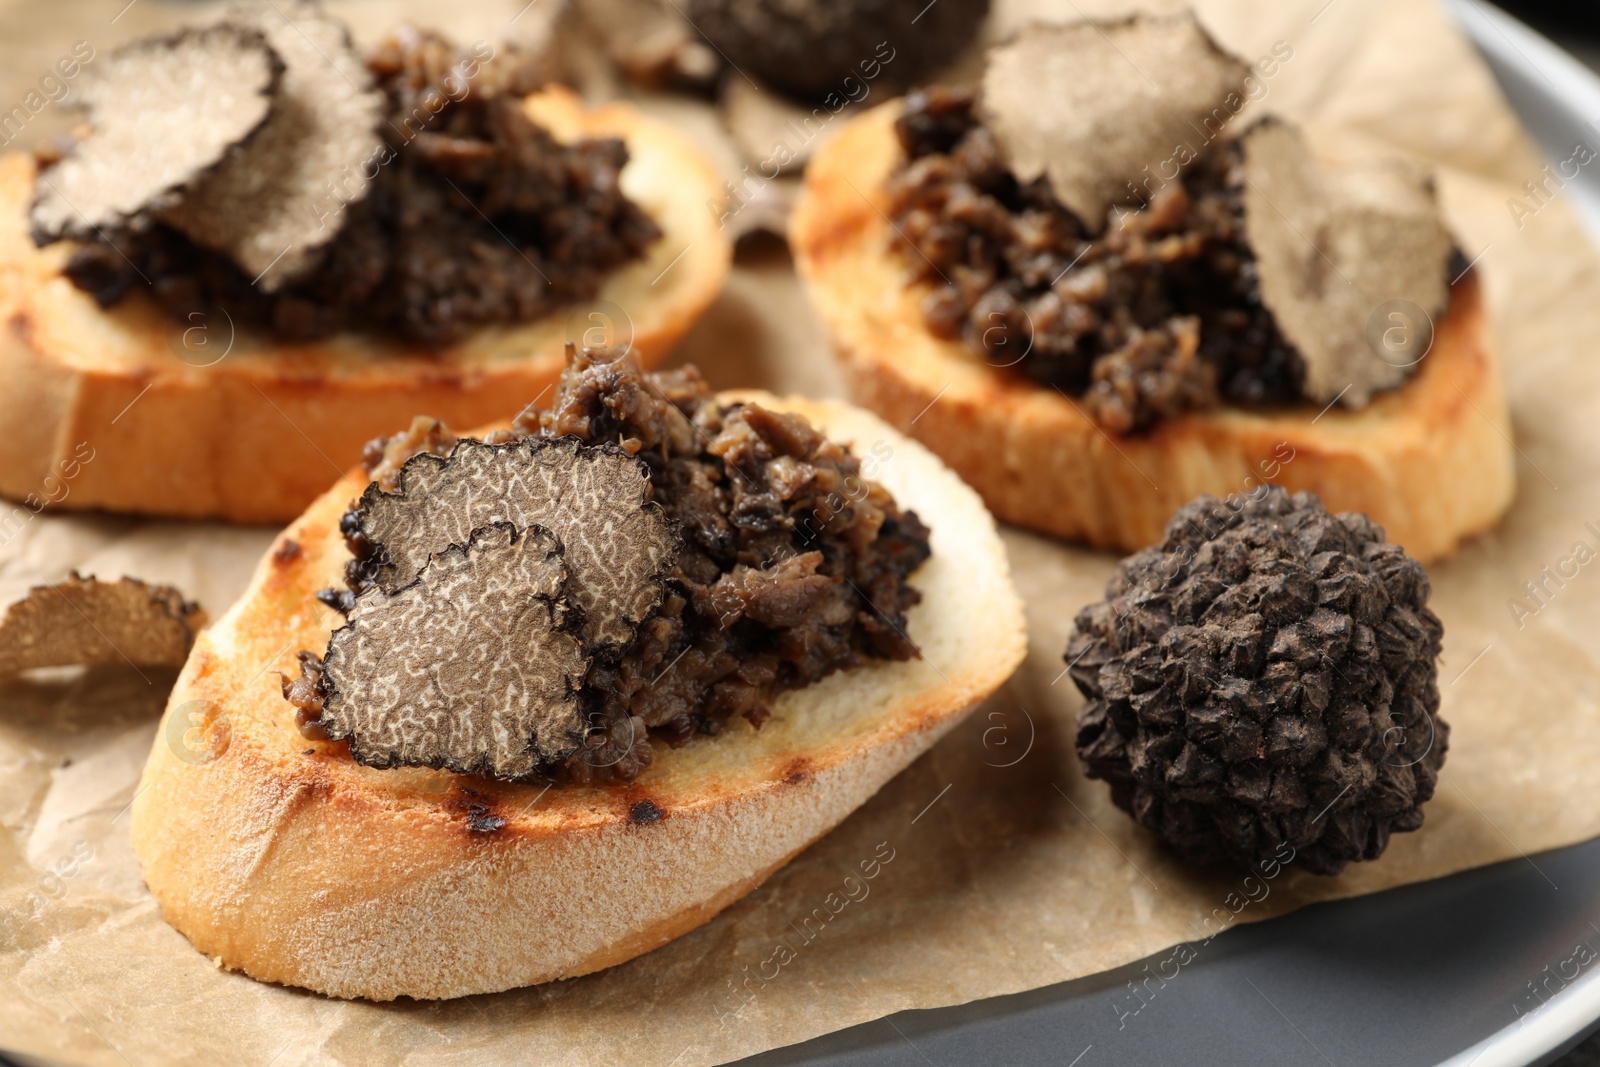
1009	870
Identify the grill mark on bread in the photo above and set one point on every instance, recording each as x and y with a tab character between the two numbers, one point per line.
481	820
479	815
644	812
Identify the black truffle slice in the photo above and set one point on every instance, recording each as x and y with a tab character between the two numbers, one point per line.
1091	105
163	113
272	206
1264	679
1336	243
86	620
473	667
617	544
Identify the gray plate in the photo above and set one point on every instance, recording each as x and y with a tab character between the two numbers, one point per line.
1411	976
1437	973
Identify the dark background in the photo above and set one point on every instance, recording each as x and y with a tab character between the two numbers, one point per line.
1557	19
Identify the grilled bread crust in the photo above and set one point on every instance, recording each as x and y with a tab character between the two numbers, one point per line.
248	429
285	859
1430	461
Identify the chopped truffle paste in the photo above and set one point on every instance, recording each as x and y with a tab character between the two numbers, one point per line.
1266	678
467	214
1159	315
1115	242
793	565
787	564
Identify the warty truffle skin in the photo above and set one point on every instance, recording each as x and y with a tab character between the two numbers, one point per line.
1266	676
824	51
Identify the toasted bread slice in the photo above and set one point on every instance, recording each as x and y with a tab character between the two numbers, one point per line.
257	435
1430	461
287	860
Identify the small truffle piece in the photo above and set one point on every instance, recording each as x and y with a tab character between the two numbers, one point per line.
762	125
652	42
618	545
163	113
473	667
830	51
384	456
1264	679
85	620
272	206
1333	245
1091	104
305	692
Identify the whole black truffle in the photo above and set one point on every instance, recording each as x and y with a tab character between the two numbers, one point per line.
810	49
1265	677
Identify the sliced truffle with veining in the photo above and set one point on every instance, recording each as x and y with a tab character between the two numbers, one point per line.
163	113
86	620
619	546
1090	104
1334	245
272	206
793	565
475	215
473	667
